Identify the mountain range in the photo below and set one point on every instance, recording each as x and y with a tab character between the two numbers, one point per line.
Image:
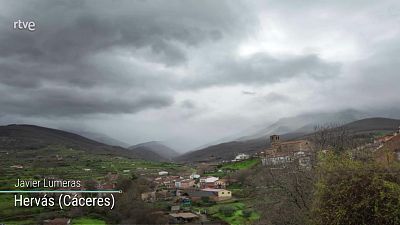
25	137
163	152
102	138
228	150
305	123
14	137
31	137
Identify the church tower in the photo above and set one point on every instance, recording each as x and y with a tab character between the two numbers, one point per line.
275	142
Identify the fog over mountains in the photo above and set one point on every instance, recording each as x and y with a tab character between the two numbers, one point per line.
295	126
166	153
195	73
31	138
305	123
102	138
228	150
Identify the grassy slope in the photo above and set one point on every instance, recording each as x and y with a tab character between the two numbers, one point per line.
44	162
234	166
246	164
237	218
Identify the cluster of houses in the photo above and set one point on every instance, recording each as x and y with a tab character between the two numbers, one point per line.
285	153
182	191
387	138
193	187
384	149
388	149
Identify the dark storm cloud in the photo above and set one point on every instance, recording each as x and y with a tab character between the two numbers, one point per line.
102	57
69	102
95	56
91	61
69	31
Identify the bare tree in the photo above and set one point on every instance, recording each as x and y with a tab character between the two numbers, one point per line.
284	195
333	137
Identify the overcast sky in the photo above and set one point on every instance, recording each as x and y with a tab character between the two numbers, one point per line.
191	72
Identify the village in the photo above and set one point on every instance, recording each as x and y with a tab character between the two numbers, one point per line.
184	192
200	193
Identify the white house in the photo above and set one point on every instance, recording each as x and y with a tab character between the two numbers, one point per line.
241	157
208	179
162	173
194	176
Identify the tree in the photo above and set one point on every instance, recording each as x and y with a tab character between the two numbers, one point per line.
283	196
335	137
355	193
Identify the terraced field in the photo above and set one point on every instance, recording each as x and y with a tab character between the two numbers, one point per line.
64	163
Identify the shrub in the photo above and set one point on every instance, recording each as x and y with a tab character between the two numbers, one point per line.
247	213
227	210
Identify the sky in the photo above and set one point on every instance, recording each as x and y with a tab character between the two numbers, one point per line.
190	72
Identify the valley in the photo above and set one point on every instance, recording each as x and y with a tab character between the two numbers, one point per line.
241	182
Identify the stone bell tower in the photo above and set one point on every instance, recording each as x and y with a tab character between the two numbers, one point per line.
275	142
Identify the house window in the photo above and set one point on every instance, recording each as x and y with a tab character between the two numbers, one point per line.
229	192
222	192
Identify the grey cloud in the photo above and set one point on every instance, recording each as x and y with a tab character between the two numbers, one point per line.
375	78
67	32
188	104
248	93
261	69
77	46
276	98
73	102
103	58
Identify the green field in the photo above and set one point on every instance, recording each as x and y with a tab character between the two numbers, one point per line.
237	218
245	164
75	164
66	163
229	167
